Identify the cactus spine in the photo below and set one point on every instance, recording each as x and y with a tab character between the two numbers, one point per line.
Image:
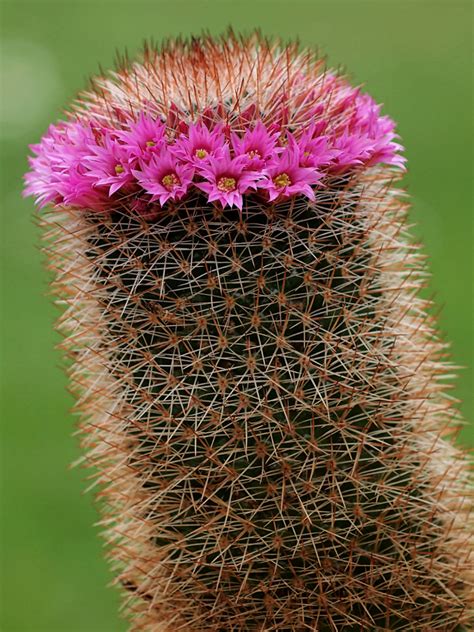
261	388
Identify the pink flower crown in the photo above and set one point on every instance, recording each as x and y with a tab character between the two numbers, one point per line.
143	161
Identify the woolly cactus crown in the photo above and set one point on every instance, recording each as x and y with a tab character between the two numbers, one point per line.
259	383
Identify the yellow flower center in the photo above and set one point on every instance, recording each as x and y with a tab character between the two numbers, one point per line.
119	169
282	180
226	184
150	143
170	181
254	153
200	153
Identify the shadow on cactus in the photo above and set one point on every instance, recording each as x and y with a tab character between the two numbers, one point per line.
260	386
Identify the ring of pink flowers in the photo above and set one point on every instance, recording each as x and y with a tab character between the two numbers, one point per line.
89	165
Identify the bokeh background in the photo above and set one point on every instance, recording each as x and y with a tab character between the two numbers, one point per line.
414	56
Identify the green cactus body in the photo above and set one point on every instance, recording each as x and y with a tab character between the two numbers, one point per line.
261	396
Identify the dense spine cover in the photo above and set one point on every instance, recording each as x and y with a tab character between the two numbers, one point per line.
261	389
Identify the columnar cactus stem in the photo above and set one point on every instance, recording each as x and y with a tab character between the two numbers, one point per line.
260	386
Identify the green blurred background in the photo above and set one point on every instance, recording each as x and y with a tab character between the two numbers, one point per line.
414	56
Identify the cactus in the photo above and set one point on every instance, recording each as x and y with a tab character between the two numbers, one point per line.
261	389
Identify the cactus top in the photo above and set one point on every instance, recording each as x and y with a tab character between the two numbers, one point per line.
273	137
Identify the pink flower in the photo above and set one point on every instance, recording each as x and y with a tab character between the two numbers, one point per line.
357	148
257	145
227	179
108	165
146	135
385	149
315	150
365	138
354	148
285	176
58	172
46	170
77	190
366	114
164	177
199	144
